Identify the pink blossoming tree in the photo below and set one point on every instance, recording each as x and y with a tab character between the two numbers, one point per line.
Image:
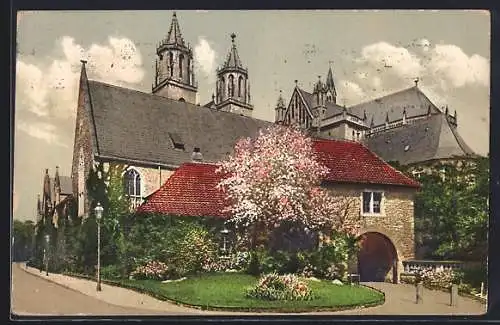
274	180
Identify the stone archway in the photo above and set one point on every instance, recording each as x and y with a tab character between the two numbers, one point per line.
377	258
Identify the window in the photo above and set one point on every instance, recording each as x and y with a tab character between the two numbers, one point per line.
230	86
372	202
181	61
132	182
171	63
189	71
240	86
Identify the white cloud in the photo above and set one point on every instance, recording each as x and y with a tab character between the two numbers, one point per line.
205	56
382	68
455	69
350	93
52	90
40	130
403	63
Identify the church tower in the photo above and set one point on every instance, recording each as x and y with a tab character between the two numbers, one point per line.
174	73
280	110
331	92
233	87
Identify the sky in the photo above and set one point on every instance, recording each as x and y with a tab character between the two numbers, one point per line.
372	53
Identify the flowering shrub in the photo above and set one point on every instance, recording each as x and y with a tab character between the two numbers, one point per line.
153	270
196	250
280	287
438	278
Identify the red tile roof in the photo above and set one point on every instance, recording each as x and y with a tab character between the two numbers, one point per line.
191	190
352	162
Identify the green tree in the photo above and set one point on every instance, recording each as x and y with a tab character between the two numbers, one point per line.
23	234
451	210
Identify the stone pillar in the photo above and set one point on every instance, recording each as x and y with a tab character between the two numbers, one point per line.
453	295
419	287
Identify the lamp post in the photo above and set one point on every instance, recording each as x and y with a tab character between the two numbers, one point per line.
98	213
224	233
46	254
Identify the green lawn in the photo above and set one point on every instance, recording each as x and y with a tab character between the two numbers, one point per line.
227	291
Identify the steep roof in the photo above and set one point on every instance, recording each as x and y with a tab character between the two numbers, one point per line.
352	162
233	59
174	34
412	99
423	140
133	125
190	191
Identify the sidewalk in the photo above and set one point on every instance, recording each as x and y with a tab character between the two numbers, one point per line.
114	295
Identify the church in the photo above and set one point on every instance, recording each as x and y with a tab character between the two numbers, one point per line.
165	132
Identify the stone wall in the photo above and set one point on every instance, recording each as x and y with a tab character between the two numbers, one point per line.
396	221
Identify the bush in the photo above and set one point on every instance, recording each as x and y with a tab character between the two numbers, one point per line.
153	270
237	261
111	272
280	287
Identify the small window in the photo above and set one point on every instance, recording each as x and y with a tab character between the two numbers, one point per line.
372	202
176	140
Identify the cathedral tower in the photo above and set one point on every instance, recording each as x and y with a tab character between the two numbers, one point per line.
233	87
174	73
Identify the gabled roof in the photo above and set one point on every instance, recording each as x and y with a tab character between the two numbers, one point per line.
412	99
352	162
423	140
331	108
133	125
190	191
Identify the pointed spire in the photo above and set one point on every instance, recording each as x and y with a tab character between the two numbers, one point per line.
329	80
46	184
281	101
364	115
174	34
372	123
38	203
233	59
387	118
57	181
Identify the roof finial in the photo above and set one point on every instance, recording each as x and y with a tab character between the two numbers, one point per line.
416	81
175	14
296	82
83	61
233	36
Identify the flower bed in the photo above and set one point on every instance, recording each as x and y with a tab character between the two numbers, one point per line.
280	287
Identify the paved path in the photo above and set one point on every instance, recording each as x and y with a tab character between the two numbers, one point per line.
36	293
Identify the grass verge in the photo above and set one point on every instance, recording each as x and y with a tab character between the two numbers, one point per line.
226	291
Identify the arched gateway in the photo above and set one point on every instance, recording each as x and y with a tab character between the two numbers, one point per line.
377	258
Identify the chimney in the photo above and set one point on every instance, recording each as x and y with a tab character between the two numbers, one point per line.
196	156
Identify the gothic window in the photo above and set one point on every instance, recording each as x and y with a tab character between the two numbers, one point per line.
372	202
240	86
222	87
230	86
353	135
132	183
171	63
181	61
189	70
81	184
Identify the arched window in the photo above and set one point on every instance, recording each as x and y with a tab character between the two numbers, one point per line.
181	61
171	63
230	86
240	86
189	71
132	183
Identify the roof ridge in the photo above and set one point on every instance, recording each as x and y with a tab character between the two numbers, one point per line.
385	96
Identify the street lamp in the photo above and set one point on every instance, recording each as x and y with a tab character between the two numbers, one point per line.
98	213
46	254
225	233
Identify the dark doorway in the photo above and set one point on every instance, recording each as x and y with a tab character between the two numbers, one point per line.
376	258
